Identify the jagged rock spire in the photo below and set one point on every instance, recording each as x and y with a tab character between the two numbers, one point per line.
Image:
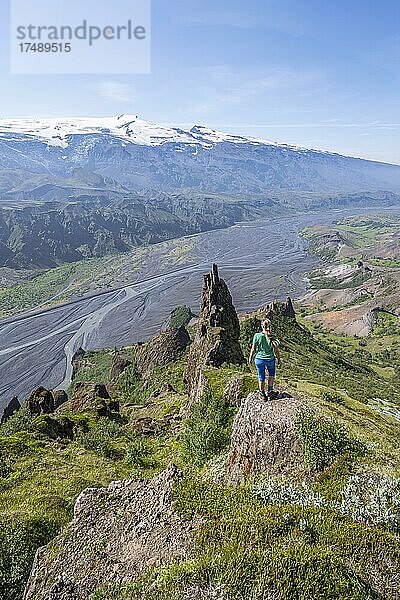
217	337
285	309
288	309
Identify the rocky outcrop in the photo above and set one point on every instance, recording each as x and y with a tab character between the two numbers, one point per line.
284	309
117	534
77	361
218	330
56	428
234	391
12	407
91	397
118	366
60	397
264	440
288	309
166	347
41	402
372	316
149	426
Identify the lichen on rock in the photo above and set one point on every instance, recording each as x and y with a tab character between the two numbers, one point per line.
264	439
117	534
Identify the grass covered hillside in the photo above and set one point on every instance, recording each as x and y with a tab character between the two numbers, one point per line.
329	528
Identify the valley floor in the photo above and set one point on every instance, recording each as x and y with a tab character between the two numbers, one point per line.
262	260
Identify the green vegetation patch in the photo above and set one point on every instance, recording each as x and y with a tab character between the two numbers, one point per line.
207	430
180	317
324	440
390	263
96	368
321	282
52	286
386	324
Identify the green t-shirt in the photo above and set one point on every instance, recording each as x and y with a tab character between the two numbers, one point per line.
263	347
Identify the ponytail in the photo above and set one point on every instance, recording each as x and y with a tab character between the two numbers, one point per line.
266	327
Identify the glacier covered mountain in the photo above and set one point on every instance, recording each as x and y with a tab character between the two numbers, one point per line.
126	128
55	158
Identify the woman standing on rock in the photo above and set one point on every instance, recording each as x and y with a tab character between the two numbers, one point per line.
265	350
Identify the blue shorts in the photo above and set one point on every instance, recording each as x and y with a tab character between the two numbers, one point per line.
262	364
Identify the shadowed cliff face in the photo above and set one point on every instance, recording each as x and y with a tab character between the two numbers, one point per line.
12	407
162	349
43	237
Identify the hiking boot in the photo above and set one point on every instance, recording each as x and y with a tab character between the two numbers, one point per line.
273	395
263	395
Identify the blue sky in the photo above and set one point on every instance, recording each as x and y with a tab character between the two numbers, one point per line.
317	73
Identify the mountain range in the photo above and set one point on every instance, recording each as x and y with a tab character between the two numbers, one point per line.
52	158
81	187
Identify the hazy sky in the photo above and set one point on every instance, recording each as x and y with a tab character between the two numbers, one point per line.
323	74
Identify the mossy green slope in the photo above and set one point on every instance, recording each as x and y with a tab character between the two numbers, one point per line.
246	548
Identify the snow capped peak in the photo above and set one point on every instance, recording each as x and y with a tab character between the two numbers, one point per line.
219	136
129	129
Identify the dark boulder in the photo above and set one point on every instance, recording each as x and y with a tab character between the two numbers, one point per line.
60	397
41	402
92	397
56	428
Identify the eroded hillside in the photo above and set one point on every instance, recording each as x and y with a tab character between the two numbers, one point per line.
357	289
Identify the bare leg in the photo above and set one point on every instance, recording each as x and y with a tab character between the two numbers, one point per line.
261	385
271	383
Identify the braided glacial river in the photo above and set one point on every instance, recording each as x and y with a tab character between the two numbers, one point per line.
260	261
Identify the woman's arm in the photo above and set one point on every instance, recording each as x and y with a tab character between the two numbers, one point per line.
277	353
252	353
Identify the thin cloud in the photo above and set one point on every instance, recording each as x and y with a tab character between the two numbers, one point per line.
322	124
115	91
223	86
268	16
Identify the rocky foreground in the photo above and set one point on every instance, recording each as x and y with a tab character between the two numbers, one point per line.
117	534
229	497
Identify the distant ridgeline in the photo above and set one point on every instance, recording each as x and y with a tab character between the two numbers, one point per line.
126	153
90	226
